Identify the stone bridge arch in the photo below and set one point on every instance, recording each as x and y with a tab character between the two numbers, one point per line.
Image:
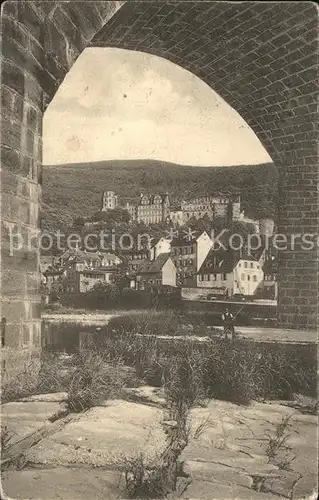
259	56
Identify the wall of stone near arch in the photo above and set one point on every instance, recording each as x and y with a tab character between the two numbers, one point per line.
260	57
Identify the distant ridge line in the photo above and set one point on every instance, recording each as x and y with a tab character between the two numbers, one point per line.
147	163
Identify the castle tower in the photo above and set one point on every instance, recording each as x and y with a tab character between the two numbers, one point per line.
109	201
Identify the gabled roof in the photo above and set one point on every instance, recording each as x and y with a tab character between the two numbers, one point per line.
186	239
107	255
252	255
150	198
218	262
154	266
100	270
77	255
154	241
270	266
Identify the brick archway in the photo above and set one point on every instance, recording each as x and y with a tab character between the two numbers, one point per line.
259	56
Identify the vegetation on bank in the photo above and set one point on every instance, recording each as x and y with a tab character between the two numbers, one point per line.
239	372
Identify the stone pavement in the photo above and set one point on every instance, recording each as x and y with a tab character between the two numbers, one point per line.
82	459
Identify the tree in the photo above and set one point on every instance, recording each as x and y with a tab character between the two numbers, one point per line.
78	222
109	290
120	278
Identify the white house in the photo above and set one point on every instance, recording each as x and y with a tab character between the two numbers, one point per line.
188	253
226	273
159	246
161	271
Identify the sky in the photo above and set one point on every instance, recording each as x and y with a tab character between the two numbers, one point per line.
121	104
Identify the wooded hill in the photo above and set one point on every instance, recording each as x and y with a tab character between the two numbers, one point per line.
75	190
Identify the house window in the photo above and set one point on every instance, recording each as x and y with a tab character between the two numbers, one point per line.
248	277
224	276
254	278
243	277
258	267
245	264
200	277
251	265
206	277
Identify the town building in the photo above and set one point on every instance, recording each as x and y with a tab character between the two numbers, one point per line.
219	205
161	271
53	279
131	208
159	246
87	278
153	209
177	218
269	289
228	272
78	270
46	262
188	254
109	201
80	276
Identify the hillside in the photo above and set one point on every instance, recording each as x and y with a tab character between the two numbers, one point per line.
74	190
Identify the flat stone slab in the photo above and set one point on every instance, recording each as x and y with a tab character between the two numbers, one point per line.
62	483
24	418
231	450
55	397
221	460
104	436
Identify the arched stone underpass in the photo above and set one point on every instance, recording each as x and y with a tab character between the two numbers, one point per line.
259	56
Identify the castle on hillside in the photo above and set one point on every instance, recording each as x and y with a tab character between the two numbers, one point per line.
150	209
157	208
109	201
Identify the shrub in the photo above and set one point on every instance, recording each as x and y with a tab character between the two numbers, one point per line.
93	381
23	384
143	481
148	323
54	374
51	376
277	450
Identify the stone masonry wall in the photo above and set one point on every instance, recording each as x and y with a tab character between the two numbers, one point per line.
40	42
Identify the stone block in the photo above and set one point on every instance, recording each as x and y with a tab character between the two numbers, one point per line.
10	9
87	17
10	160
30	143
33	119
31	19
13	76
15	310
33	91
11	133
13	334
13	283
72	31
13	51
